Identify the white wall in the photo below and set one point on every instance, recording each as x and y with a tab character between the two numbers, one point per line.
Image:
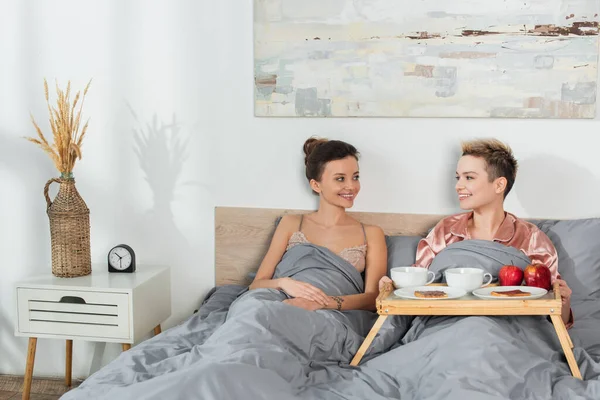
192	61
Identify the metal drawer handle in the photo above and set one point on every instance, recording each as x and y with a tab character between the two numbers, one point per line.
72	299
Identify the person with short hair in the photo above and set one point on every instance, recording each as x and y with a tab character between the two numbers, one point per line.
485	174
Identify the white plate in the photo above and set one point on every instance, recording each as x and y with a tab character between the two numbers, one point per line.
485	293
409	292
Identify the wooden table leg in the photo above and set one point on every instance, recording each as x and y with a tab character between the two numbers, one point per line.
368	340
69	362
157	330
565	342
126	346
29	368
561	325
567	334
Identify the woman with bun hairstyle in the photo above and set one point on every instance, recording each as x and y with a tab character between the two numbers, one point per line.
333	174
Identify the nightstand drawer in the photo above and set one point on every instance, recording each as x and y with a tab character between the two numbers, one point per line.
73	313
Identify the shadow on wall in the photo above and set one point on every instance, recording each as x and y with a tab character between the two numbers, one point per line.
162	150
552	187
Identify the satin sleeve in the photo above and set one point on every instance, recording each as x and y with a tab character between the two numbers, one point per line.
431	245
542	251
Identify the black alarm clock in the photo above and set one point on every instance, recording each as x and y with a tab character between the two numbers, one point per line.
121	258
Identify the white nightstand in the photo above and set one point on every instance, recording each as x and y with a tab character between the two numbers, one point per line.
101	307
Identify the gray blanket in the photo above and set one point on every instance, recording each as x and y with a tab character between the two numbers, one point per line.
253	346
483	254
491	357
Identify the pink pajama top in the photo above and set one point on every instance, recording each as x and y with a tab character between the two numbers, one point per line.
512	232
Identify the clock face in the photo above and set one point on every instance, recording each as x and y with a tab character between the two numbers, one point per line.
119	258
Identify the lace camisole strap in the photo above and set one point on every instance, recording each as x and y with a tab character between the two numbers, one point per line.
355	255
364	232
361	225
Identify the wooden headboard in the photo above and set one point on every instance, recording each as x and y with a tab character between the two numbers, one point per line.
243	235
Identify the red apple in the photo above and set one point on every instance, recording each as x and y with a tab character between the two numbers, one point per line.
510	275
539	276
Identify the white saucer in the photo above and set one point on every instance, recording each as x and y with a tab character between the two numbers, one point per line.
409	292
485	293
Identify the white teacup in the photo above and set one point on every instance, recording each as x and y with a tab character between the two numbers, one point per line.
411	276
468	279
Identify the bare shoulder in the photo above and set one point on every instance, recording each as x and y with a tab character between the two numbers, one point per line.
374	232
290	222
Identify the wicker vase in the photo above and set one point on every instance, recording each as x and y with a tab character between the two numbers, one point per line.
69	230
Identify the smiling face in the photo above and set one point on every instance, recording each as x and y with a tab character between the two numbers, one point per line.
339	184
473	184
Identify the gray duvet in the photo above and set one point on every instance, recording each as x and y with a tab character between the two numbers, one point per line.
249	345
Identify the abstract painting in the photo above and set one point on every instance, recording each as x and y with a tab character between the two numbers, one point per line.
426	58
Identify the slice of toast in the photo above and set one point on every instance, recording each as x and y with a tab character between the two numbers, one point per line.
431	294
510	293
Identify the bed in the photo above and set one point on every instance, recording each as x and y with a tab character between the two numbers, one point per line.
250	345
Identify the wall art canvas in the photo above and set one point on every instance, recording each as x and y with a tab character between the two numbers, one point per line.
426	58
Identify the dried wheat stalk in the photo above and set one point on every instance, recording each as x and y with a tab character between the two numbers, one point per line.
65	121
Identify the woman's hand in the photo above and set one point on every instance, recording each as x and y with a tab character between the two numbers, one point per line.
304	303
383	281
565	295
303	290
565	292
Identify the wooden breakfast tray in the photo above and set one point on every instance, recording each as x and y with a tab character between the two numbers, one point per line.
551	305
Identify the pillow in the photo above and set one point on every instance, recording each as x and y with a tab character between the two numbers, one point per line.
577	242
402	250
